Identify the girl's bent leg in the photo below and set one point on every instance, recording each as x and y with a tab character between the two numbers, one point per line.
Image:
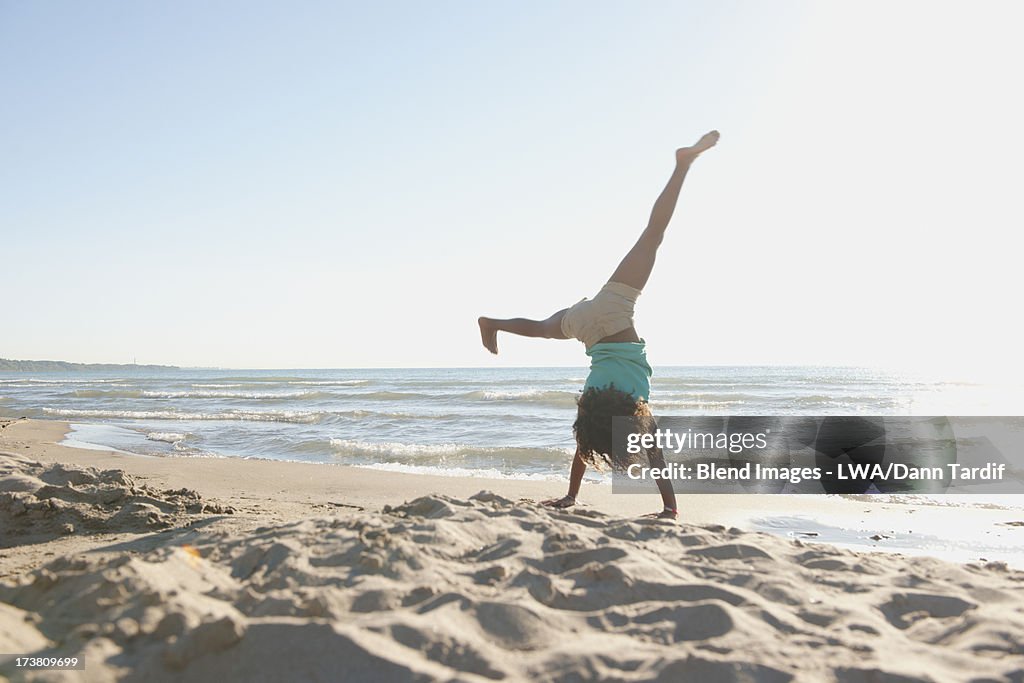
550	328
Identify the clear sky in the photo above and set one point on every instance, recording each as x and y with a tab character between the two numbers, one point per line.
326	184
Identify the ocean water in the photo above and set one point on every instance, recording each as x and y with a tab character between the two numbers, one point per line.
513	423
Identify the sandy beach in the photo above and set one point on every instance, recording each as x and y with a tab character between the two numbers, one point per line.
204	568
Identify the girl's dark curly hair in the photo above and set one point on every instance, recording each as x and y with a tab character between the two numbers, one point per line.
595	409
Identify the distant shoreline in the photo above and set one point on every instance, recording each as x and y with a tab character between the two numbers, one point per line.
7	365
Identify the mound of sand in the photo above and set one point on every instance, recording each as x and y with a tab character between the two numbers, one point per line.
490	589
40	501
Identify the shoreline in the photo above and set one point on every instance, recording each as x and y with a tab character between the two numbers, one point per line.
283	490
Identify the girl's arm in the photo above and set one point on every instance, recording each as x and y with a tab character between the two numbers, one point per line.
668	494
579	467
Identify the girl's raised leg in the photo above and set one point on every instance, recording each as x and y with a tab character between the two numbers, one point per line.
636	267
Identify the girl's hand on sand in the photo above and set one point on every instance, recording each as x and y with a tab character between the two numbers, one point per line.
560	503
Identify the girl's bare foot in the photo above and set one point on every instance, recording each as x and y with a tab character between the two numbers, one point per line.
706	142
488	334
